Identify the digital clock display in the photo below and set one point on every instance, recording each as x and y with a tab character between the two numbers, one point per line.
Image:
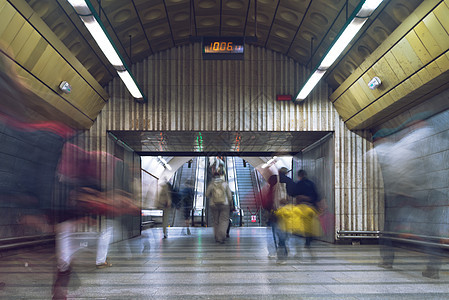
223	48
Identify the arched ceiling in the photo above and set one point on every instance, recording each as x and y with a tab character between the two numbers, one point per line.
300	29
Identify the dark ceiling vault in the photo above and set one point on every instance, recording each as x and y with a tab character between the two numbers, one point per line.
300	29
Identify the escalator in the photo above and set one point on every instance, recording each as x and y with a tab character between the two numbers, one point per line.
244	184
247	192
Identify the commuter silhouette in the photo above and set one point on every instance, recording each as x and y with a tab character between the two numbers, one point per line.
187	195
220	198
164	202
407	192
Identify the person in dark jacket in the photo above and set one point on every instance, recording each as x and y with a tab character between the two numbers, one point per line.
188	195
304	191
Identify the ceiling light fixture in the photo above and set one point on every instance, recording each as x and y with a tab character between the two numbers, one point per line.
163	162
271	161
91	20
354	23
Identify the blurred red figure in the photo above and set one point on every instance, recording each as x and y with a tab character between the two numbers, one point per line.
30	149
93	194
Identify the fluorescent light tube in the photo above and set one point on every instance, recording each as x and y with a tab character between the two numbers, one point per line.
342	42
269	162
164	162
368	7
98	32
130	84
310	84
80	7
102	40
343	39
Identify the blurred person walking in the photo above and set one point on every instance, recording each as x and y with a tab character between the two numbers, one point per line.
164	202
187	195
408	191
267	202
220	201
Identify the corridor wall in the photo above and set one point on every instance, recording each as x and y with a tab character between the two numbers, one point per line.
318	161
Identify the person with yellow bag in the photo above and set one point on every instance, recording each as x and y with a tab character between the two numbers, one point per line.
301	219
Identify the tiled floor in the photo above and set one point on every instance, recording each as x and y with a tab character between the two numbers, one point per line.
195	267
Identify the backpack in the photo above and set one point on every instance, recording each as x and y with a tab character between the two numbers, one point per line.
218	194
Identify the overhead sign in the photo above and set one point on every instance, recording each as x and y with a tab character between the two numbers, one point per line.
283	97
223	48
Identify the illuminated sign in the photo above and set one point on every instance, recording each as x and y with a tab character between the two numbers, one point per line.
283	97
223	48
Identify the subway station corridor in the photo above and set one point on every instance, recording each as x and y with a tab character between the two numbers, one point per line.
195	267
326	118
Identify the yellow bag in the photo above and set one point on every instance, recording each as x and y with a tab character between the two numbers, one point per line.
299	219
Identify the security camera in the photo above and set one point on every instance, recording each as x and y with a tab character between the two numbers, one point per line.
374	83
65	87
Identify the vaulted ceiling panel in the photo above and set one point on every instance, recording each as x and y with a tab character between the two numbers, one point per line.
285	26
260	24
300	29
207	17
180	20
233	19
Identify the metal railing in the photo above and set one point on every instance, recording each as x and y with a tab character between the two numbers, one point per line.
25	241
147	224
417	239
257	177
358	234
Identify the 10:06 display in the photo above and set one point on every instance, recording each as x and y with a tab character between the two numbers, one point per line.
223	47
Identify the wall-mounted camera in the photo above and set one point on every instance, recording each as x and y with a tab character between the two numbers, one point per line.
374	83
65	87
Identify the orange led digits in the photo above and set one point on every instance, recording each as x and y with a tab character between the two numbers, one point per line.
223	48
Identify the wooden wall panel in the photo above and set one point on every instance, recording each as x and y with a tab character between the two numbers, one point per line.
408	65
45	62
188	94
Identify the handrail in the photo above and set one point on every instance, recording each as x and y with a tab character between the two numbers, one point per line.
202	217
257	179
427	237
418	242
27	237
417	239
241	217
236	197
17	242
147	224
358	234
